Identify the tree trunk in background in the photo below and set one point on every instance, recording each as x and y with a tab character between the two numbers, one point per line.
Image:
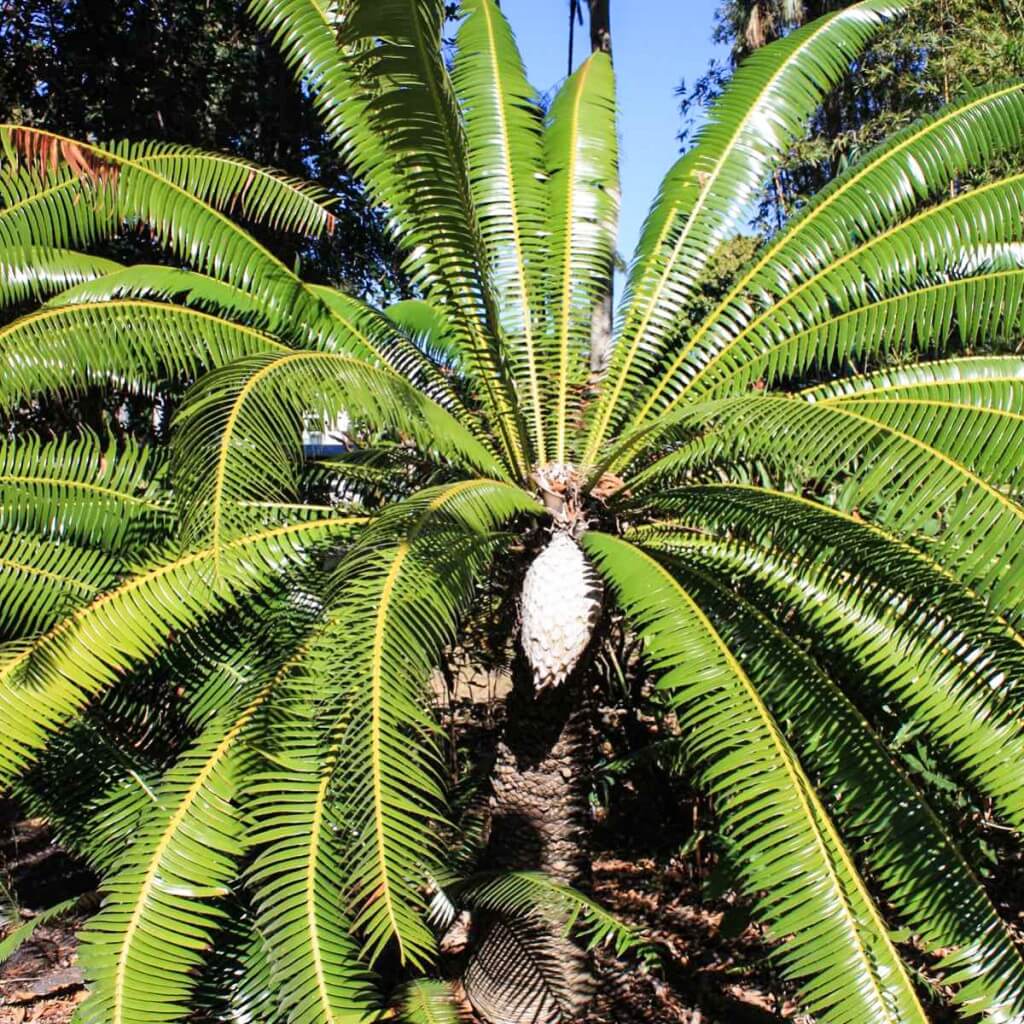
600	25
520	972
601	323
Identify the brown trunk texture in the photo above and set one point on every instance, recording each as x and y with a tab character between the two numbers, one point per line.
522	972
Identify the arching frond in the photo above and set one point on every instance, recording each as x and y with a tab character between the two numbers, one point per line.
182	857
505	158
532	894
704	197
45	683
46	207
914	252
77	490
379	77
402	592
196	232
791	852
907	655
920	474
42	582
236	186
924	874
299	879
225	454
821	535
35	272
429	1002
152	281
869	198
54	351
581	152
966	312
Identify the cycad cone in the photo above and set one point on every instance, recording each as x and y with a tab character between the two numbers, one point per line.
561	601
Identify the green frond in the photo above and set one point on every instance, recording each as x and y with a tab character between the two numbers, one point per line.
705	196
379	80
194	231
904	653
18	936
532	894
239	437
916	469
47	207
236	186
300	877
821	535
43	581
76	490
913	253
962	312
792	855
169	284
871	197
923	873
581	152
402	591
54	350
430	330
409	350
141	953
505	158
35	272
236	983
428	1002
45	683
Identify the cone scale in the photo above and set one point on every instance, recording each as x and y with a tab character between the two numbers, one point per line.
561	601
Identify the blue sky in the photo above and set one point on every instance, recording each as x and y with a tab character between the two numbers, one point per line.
656	43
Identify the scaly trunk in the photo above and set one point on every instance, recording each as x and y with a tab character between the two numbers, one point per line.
522	973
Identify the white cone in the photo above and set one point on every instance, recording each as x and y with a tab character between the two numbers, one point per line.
561	601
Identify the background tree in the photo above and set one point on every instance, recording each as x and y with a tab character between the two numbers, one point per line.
197	74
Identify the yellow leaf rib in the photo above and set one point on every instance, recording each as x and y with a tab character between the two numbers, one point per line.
798	229
513	212
376	687
152	873
601	426
565	311
815	813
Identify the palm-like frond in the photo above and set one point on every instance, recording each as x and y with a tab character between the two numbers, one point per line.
505	159
403	590
839	946
392	111
34	272
78	490
532	894
298	878
226	454
583	209
44	683
924	874
429	1002
914	165
705	195
42	581
182	857
910	657
52	351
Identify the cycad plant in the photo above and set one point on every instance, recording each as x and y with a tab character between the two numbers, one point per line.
216	661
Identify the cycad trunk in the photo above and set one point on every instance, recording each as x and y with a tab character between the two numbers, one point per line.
520	973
